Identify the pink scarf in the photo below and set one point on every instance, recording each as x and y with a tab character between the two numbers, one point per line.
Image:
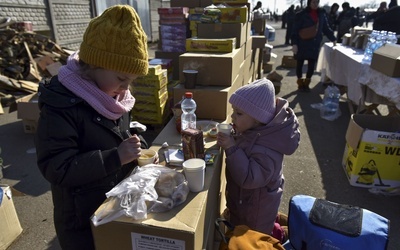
109	107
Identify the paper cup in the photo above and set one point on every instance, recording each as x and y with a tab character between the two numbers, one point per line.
148	156
194	170
224	128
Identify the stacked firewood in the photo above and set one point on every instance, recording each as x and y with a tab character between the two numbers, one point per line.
25	58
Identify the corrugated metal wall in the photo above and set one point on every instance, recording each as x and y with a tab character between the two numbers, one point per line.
65	21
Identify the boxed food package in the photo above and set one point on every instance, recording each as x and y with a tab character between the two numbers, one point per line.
289	62
234	14
173	10
371	156
386	60
10	226
28	111
214	69
241	31
210	45
192	143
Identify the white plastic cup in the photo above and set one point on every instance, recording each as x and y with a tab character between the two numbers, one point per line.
194	170
148	156
224	128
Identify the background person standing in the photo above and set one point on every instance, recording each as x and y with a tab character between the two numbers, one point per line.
308	49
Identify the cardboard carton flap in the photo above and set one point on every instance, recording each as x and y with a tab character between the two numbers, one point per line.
389	50
360	122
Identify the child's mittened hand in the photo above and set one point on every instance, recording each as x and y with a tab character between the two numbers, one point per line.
129	149
225	141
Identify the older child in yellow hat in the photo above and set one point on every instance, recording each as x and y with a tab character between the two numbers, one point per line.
83	148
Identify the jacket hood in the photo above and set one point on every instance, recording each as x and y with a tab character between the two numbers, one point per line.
281	134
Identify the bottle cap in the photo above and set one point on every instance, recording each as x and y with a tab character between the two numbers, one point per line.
189	95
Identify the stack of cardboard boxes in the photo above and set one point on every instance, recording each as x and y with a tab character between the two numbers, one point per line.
151	96
222	53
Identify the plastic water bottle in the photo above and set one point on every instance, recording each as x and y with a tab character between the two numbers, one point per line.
369	49
380	40
392	37
330	109
188	118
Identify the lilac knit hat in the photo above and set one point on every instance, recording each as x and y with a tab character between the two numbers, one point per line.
257	99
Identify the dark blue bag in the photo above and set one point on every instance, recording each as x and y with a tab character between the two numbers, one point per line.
321	224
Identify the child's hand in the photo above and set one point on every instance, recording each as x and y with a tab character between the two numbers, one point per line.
225	141
129	149
156	159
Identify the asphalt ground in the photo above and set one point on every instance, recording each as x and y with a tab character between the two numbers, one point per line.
314	169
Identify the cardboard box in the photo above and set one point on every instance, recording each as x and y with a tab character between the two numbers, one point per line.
187	226
241	31
371	156
289	62
210	45
258	25
259	42
28	111
217	109
386	60
214	69
10	227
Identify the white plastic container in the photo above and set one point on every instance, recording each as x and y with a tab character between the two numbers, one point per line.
194	170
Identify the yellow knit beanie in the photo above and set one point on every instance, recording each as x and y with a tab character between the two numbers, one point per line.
115	40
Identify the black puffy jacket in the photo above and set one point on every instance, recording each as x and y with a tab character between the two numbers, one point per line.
77	153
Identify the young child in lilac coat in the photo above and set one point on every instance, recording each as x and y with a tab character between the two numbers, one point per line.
265	129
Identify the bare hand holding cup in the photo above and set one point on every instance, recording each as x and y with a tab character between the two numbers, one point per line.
129	149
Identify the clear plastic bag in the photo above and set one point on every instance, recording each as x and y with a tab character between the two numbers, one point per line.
153	188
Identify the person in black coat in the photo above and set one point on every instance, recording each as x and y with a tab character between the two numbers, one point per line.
333	15
83	142
290	14
308	49
390	20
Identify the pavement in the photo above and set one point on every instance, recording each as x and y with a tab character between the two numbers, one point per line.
314	169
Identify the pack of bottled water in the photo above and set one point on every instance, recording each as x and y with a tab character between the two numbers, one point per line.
375	40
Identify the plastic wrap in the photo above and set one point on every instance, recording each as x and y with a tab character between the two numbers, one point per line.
153	188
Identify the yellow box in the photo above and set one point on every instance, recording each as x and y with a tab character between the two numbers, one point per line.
148	92
151	104
210	45
371	156
152	117
234	14
154	70
157	80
